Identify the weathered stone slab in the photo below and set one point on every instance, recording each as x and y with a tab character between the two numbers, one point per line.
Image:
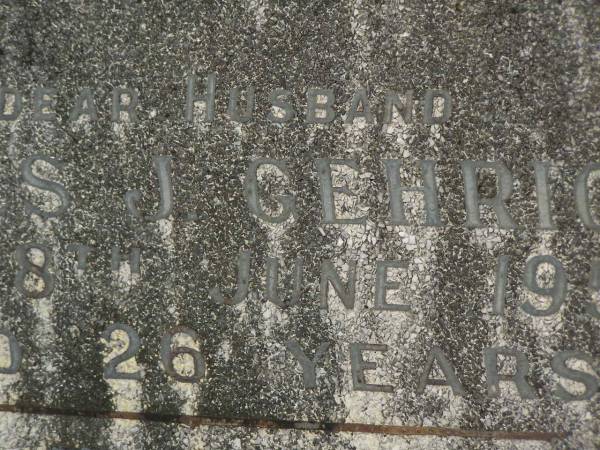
278	224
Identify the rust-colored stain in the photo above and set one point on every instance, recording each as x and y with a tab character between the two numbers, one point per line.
328	427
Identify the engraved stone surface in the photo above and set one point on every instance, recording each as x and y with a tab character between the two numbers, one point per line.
289	224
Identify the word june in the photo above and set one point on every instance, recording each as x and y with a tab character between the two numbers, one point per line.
344	285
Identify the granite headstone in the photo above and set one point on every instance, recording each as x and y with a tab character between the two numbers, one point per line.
289	224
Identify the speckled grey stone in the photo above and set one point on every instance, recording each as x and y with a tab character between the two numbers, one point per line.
524	78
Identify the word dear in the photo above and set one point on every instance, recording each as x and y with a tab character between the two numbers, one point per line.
437	105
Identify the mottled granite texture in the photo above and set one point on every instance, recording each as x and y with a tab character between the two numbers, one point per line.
524	77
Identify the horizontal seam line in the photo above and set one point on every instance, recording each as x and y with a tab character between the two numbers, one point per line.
330	427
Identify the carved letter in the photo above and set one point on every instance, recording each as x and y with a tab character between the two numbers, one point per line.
208	98
428	116
541	170
40	102
429	191
393	101
243	279
346	293
313	104
500	288
473	201
16	354
85	97
328	190
519	377
82	252
594	284
359	365
559	366
382	285
273	279
437	355
162	165
46	185
558	291
360	98
118	106
234	111
278	99
309	367
582	196
135	256
287	202
28	267
17	105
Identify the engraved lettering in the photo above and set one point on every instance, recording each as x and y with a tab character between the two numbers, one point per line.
162	165
118	106
287	202
17	103
235	112
392	101
359	366
243	280
46	185
493	377
84	105
359	107
582	196
500	287
346	293
557	292
428	112
39	271
135	256
429	191
559	366
328	191
16	354
437	356
208	98
133	346
504	186
273	280
43	98
382	285
279	99
315	103
590	308
544	197
309	366
82	251
168	353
